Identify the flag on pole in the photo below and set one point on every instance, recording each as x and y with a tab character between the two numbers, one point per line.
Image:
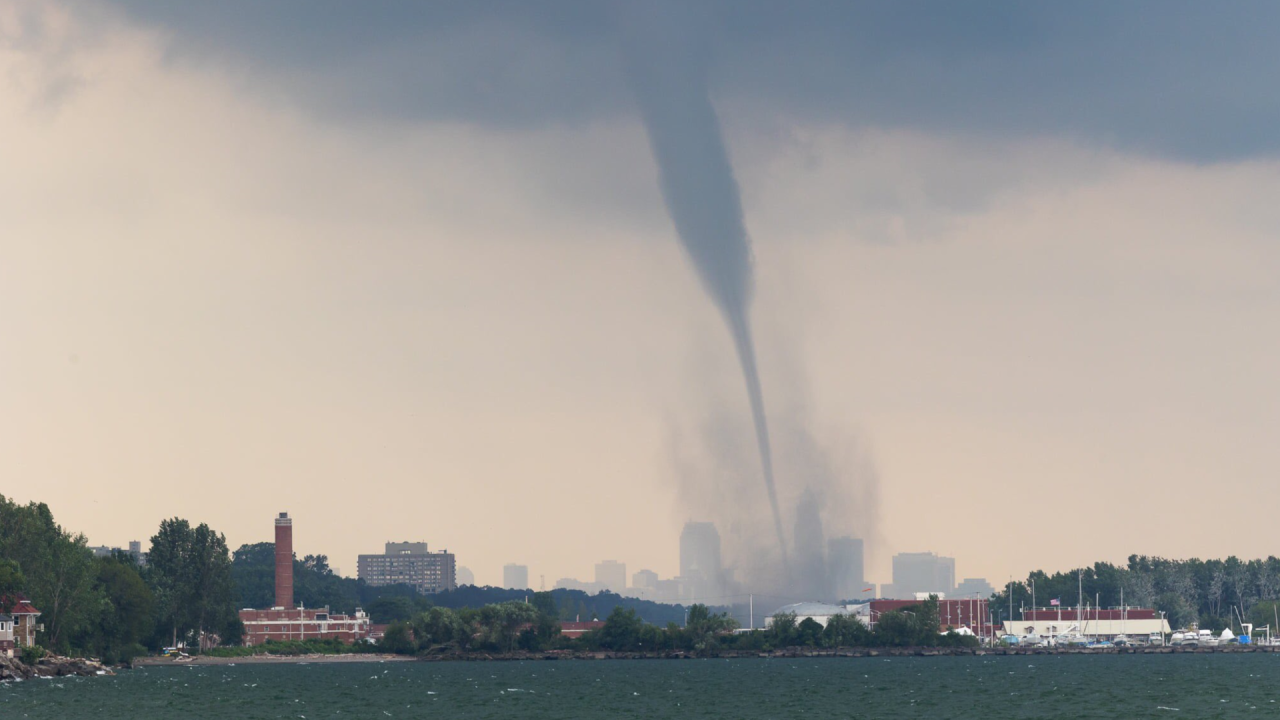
1054	602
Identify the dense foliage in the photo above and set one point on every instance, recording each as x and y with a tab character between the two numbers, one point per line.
534	626
1211	593
109	607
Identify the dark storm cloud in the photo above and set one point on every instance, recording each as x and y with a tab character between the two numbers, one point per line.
1188	79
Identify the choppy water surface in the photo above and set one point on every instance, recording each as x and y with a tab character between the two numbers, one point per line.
1180	686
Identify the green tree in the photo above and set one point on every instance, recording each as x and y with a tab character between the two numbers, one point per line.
169	570
546	626
809	632
392	609
190	573
783	629
622	630
439	627
397	639
211	605
845	631
897	628
1264	614
500	624
127	616
11	584
253	570
703	626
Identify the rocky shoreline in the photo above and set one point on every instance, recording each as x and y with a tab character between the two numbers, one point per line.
13	669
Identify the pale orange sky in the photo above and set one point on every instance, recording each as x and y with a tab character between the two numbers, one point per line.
220	306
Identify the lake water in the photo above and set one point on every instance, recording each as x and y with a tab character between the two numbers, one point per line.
1164	686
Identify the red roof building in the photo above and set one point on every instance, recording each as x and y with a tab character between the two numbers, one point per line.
576	629
26	623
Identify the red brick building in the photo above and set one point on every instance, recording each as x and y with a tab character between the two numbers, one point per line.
576	629
285	622
972	614
302	624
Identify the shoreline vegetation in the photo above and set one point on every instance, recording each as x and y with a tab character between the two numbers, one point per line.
100	612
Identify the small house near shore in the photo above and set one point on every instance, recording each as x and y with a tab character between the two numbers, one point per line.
24	623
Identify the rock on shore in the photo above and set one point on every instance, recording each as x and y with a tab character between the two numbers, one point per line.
53	666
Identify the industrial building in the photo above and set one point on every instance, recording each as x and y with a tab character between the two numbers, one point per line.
409	563
820	613
971	613
1099	623
952	614
286	622
279	624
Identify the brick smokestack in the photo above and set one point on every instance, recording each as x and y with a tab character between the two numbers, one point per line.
284	561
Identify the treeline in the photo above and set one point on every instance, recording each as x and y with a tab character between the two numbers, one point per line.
534	626
1211	593
110	607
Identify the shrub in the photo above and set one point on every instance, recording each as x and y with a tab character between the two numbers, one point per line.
31	654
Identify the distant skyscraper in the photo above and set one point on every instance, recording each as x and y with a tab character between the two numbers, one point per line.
844	560
612	575
701	572
465	576
515	577
974	588
922	573
645	580
809	570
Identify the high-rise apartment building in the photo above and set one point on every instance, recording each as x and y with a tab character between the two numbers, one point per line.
409	564
701	573
611	575
515	577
